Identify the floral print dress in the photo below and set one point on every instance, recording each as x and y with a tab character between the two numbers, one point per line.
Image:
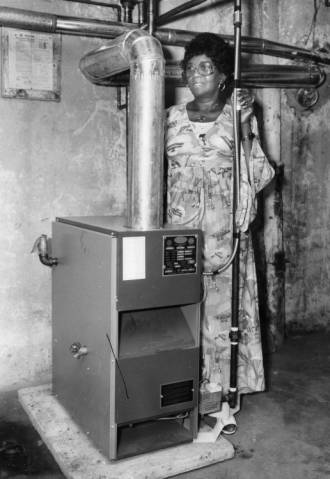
199	194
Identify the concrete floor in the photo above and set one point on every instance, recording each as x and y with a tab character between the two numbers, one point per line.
283	433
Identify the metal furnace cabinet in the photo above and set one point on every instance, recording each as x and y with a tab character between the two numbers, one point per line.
126	332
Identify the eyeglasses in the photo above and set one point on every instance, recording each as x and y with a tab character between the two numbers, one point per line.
203	68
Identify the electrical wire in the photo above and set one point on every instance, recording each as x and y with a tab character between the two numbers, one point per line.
117	364
313	23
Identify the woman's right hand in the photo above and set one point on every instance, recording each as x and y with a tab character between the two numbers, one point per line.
245	104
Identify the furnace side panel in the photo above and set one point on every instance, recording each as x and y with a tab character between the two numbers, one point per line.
83	306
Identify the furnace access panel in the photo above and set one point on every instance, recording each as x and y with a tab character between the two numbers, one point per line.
126	332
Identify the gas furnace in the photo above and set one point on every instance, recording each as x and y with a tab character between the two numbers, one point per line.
126	332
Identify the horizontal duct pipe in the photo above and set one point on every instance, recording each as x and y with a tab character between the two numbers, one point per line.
252	76
142	54
282	76
38	21
248	45
47	22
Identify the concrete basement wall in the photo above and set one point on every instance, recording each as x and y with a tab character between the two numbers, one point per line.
56	159
304	154
305	150
69	158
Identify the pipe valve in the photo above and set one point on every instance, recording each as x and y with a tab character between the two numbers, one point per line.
78	351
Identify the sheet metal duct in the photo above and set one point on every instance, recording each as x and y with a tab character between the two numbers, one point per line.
252	76
50	23
143	55
45	22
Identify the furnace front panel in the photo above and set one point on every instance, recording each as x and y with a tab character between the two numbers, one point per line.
126	332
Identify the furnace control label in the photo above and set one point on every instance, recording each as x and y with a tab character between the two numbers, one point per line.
180	254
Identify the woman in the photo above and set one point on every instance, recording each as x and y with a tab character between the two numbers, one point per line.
200	149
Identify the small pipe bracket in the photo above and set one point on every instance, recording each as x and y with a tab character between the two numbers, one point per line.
235	336
237	18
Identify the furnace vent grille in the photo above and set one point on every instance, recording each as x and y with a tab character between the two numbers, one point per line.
176	393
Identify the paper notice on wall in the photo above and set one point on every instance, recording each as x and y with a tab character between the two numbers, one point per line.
134	257
30	60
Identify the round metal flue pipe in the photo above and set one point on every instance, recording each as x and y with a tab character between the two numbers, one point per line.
50	23
92	28
27	20
142	54
45	22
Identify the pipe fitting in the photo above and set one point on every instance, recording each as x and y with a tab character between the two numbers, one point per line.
41	246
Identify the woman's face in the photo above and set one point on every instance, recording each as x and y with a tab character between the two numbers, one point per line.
203	77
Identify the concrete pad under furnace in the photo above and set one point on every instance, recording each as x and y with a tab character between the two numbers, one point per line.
78	459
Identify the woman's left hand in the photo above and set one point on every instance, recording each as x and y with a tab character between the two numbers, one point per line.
245	101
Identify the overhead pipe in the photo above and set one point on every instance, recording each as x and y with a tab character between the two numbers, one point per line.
282	76
97	3
45	22
50	23
143	55
252	76
248	45
171	14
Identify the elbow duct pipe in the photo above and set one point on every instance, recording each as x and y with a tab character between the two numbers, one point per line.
143	55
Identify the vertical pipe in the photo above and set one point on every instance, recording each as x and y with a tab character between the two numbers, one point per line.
273	229
151	17
146	139
141	12
128	8
234	331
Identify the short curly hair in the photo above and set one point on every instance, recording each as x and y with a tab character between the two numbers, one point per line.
213	46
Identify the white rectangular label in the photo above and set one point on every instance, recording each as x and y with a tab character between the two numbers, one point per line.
134	257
